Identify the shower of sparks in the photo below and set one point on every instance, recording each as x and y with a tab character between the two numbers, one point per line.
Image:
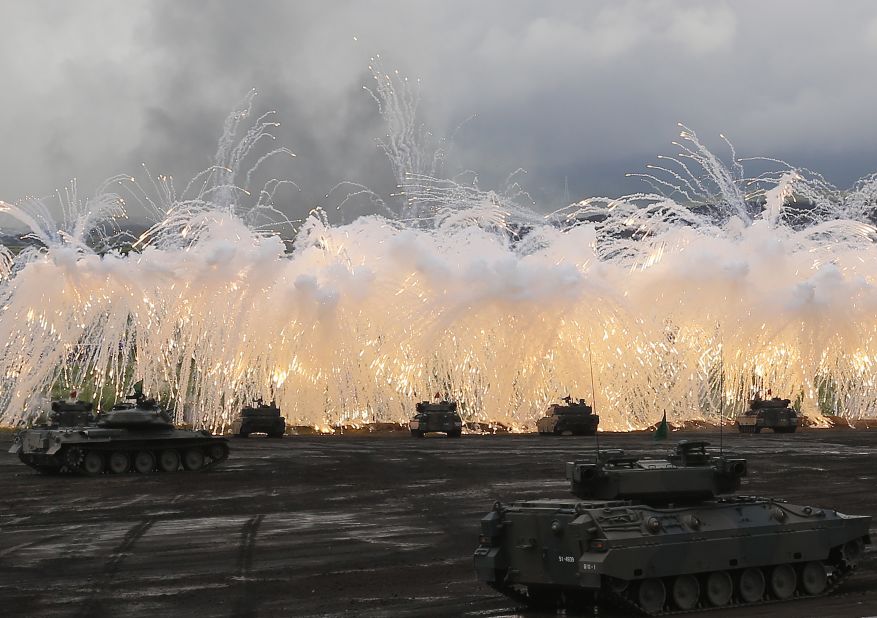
690	298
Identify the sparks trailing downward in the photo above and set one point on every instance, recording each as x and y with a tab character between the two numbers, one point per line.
689	297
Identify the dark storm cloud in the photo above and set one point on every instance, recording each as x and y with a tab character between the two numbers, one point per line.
574	91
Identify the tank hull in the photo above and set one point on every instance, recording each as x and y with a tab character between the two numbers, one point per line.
577	425
95	450
778	422
559	552
273	427
450	424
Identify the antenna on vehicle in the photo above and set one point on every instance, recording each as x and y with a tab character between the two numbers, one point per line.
721	394
594	401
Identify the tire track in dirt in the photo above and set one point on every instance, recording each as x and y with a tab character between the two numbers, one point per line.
244	606
92	606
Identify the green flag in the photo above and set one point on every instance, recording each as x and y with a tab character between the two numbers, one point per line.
662	429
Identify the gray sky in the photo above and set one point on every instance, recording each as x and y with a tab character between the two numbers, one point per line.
580	90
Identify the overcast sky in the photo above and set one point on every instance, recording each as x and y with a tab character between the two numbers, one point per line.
576	91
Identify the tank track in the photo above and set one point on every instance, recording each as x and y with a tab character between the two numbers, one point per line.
749	429
839	574
58	465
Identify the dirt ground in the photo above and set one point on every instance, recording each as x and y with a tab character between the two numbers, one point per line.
373	525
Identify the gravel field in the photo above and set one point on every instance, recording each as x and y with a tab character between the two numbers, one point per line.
365	525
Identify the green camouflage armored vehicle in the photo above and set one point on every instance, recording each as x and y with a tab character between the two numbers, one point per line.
70	412
575	417
663	536
439	417
772	414
136	436
259	418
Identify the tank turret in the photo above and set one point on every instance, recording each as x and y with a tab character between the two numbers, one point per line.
573	416
775	402
137	412
135	417
691	473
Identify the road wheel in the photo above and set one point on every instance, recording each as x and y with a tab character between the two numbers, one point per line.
751	585
686	591
416	433
168	461
719	587
144	462
119	462
93	463
783	581
193	459
651	595
218	451
814	579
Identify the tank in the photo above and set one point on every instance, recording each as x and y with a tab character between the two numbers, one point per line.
134	436
775	414
665	536
441	416
259	418
71	412
574	417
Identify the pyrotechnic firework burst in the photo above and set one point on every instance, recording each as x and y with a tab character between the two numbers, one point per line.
689	297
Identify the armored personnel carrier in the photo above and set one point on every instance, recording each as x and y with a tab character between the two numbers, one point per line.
439	417
259	418
773	414
575	417
664	536
133	436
